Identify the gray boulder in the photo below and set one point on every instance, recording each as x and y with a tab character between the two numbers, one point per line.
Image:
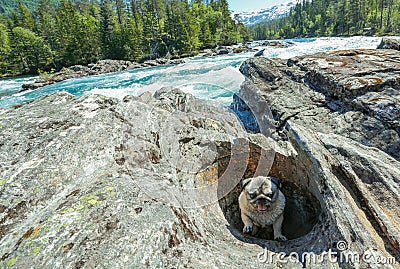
259	53
222	51
389	43
276	44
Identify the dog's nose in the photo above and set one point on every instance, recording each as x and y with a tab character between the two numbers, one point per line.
262	201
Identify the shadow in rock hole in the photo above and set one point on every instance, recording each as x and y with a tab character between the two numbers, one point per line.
302	215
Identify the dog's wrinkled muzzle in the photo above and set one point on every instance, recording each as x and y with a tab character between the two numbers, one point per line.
262	205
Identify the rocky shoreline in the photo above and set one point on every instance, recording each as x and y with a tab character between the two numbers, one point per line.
86	182
101	67
109	66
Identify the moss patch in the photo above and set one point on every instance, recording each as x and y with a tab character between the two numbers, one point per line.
11	262
35	251
87	202
111	191
91	200
68	210
3	181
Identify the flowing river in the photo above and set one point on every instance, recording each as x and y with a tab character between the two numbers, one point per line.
214	79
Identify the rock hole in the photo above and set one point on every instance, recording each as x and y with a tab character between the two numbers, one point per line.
302	208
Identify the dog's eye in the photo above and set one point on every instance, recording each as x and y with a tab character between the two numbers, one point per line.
252	195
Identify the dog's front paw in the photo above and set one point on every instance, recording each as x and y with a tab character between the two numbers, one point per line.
281	238
248	228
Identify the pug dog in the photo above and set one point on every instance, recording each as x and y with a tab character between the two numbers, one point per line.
262	203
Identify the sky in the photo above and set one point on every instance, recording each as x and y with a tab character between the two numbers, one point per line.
247	5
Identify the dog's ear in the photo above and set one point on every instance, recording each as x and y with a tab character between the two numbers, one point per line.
277	182
245	182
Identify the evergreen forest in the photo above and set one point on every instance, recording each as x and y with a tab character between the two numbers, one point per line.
319	18
48	35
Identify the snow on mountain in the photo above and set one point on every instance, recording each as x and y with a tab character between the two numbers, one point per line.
275	12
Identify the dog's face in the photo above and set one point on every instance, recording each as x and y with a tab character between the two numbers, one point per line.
260	192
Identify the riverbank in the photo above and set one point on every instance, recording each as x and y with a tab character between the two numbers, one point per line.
101	67
213	78
110	66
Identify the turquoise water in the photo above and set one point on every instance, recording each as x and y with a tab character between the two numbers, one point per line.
214	79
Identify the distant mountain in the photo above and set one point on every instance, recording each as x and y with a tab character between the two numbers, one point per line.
262	15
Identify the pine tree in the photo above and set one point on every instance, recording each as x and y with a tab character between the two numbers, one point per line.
29	50
121	11
5	48
151	30
107	28
45	21
23	17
